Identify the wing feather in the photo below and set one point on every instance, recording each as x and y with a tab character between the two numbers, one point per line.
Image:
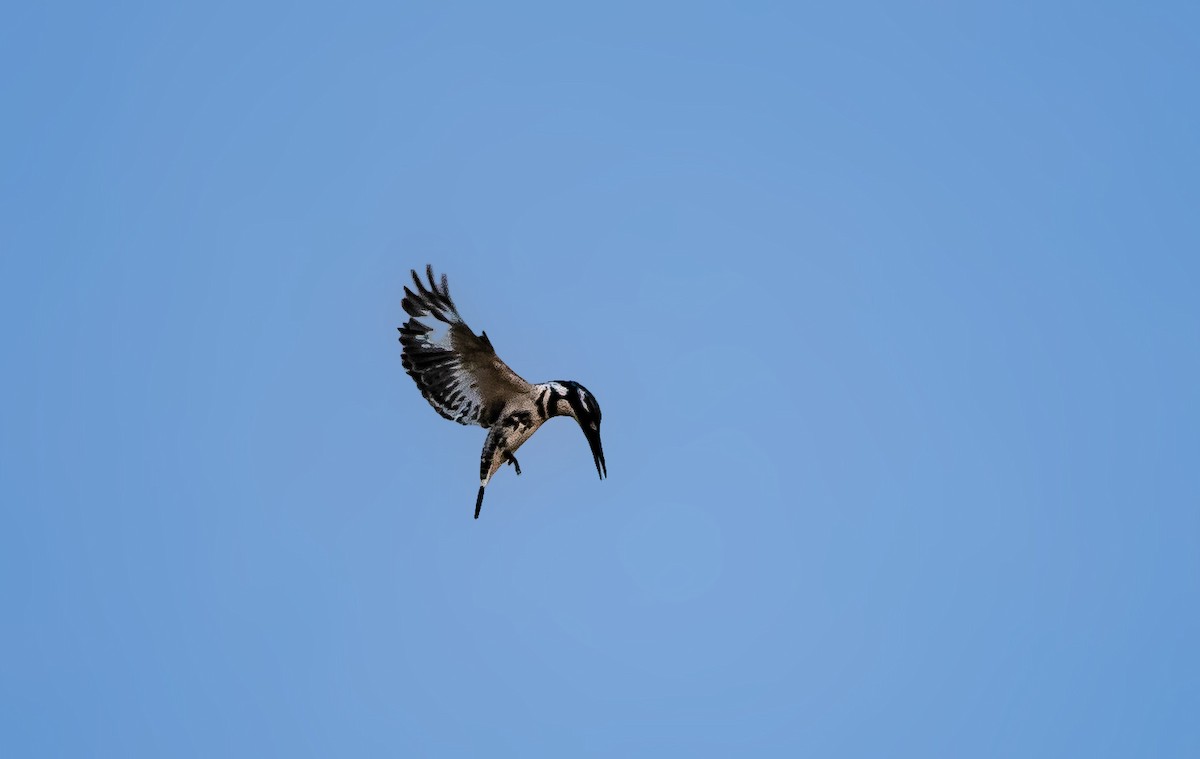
456	370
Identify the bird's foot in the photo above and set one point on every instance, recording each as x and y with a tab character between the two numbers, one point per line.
513	460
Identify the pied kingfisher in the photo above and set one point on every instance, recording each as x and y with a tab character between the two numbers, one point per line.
461	376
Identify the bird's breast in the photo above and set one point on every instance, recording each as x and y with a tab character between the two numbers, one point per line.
520	420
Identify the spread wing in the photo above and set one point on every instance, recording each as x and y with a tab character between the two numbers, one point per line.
456	370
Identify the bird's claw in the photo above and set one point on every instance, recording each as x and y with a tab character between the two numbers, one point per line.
513	460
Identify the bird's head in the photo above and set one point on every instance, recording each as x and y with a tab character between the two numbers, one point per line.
583	407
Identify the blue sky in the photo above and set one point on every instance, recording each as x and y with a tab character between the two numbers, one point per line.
891	310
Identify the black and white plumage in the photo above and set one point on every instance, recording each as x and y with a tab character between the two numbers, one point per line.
464	380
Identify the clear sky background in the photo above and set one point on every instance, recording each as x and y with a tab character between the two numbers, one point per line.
891	309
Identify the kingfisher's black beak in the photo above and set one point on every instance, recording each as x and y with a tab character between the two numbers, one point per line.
593	438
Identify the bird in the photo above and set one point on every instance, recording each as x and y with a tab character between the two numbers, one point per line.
464	380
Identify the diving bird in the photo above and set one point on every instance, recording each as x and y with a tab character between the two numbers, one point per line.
464	380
